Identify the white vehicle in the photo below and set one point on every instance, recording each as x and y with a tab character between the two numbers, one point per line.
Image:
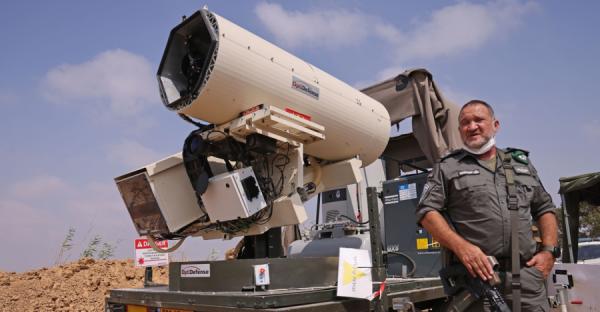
589	252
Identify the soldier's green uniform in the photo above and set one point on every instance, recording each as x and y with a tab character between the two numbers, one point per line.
472	194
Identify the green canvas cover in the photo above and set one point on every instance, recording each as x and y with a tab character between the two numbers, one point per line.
413	93
574	190
580	182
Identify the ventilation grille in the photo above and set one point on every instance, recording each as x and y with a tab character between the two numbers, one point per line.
332	216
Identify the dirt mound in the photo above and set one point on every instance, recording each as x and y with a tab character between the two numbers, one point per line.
77	286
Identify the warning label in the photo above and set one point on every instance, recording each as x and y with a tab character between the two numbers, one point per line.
407	191
390	199
146	256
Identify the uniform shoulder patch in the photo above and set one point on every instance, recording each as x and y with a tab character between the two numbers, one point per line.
514	149
520	155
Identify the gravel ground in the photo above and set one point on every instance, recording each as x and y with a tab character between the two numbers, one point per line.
76	286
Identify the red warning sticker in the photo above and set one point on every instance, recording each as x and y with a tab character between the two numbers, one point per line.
146	256
295	113
142	243
251	110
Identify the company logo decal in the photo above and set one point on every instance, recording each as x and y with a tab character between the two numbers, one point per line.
305	87
195	270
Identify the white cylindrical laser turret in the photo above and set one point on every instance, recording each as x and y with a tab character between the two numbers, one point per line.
213	70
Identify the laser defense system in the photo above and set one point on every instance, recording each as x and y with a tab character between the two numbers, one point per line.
273	131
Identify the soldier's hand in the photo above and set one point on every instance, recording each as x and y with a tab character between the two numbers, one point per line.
543	261
475	261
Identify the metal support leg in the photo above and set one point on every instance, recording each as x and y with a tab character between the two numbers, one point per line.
266	245
378	272
148	277
567	227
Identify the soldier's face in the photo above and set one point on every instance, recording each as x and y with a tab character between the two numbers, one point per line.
476	126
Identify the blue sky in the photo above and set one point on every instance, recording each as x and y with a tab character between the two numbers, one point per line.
80	103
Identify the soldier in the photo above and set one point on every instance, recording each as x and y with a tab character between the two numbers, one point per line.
466	205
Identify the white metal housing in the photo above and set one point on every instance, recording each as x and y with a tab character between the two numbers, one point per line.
159	196
227	199
241	70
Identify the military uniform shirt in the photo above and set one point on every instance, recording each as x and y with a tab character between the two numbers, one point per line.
475	200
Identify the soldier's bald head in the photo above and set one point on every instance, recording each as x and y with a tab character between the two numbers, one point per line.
478	102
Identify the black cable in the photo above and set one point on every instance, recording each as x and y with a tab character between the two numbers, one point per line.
271	190
281	167
412	262
265	220
202	126
353	221
318	207
215	131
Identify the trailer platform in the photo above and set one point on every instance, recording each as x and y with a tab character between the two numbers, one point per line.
418	291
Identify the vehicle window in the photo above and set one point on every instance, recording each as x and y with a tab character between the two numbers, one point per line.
589	252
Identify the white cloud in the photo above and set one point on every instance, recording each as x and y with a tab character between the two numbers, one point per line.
449	31
92	208
382	75
132	154
316	28
118	80
459	28
39	187
17	210
39	211
455	96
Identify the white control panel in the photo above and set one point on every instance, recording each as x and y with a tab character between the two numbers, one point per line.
233	195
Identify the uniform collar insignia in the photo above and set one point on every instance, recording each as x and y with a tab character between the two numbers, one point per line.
461	153
520	157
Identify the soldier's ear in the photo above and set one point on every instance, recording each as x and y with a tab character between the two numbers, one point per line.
496	124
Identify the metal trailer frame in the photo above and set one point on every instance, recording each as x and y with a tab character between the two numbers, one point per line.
316	299
423	292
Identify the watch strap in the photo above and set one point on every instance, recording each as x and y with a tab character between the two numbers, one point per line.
554	250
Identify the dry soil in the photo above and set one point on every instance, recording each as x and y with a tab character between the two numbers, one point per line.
76	286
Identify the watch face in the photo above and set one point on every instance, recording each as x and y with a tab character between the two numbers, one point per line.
556	252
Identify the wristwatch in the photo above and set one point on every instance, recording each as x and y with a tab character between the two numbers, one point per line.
554	250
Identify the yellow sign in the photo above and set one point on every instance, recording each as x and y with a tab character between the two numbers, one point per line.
354	273
422	243
351	273
136	308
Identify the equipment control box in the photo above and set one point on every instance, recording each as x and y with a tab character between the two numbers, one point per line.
233	195
411	250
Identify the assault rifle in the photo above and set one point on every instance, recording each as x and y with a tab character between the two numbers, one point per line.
464	290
